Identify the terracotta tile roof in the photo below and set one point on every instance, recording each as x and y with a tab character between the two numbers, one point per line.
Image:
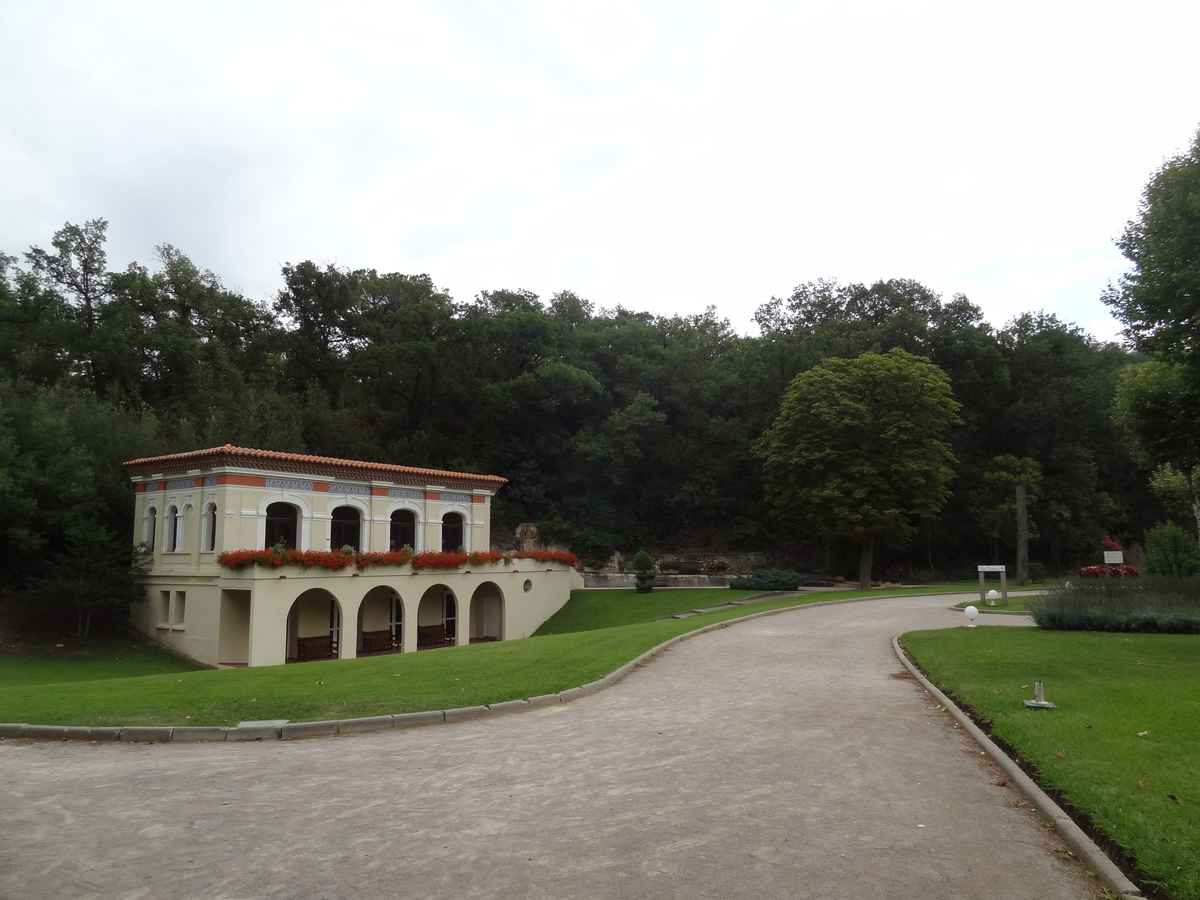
251	455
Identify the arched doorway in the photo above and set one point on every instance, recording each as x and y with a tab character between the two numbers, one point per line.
403	530
381	622
283	526
437	618
314	627
345	528
452	533
487	613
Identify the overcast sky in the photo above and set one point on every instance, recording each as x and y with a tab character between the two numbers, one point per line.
663	156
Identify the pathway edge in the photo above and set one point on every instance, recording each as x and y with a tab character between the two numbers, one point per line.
363	724
1075	837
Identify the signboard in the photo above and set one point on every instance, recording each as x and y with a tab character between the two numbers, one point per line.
993	568
1114	557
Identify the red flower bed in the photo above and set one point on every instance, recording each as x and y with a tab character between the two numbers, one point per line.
390	558
439	560
1111	570
336	561
478	557
562	556
305	559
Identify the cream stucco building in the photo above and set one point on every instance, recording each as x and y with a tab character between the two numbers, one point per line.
191	507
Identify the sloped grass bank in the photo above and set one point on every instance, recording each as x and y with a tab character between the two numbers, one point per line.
49	661
406	682
1122	749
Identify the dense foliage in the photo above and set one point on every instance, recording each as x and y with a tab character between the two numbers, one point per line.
861	449
618	429
768	580
1152	604
1170	550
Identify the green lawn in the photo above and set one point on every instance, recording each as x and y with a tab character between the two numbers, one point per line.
1124	745
407	682
604	608
46	662
595	608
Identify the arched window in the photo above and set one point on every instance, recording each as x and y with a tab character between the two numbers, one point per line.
452	533
181	528
209	529
151	527
172	534
404	529
283	526
344	527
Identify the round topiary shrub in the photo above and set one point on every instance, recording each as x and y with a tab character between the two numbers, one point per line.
643	565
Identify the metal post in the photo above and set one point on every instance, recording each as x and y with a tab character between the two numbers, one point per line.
1004	587
981	590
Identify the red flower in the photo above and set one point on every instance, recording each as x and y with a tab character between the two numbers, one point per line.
562	556
1111	570
439	560
1111	544
336	561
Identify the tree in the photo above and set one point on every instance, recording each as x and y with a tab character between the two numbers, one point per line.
1009	485
1157	405
1170	551
1159	300
643	565
1178	490
860	448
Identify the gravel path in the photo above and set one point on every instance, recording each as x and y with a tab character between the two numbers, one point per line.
783	757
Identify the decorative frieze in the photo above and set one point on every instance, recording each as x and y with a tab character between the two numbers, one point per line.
210	481
407	493
179	484
289	484
342	487
455	497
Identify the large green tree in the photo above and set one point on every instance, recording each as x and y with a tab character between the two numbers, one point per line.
1159	298
861	449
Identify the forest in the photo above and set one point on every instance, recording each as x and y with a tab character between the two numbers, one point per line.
618	429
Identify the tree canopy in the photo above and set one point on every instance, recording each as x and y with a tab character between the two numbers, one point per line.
618	429
861	448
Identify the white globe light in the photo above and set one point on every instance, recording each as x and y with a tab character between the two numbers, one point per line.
992	596
972	614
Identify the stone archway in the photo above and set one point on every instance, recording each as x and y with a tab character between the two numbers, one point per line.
314	627
381	622
437	618
487	613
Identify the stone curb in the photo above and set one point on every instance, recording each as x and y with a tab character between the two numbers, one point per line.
298	730
1076	838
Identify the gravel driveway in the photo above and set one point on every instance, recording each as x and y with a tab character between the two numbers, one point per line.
783	757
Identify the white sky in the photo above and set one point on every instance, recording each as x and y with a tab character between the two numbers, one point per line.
664	156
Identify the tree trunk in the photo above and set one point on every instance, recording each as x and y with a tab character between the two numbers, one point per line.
1022	537
1196	514
865	559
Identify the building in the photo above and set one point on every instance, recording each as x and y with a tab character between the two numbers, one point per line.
326	591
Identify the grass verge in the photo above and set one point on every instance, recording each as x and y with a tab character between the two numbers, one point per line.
594	608
406	682
1122	750
50	661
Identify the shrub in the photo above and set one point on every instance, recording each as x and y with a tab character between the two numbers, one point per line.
1151	604
1171	551
643	564
768	580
